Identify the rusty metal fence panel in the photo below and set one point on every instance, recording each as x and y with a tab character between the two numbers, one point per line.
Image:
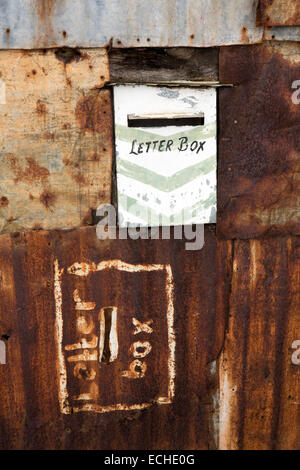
56	138
259	380
258	183
46	274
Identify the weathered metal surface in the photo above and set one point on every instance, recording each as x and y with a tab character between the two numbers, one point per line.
124	23
259	141
288	33
278	13
163	64
54	286
32	24
56	138
259	383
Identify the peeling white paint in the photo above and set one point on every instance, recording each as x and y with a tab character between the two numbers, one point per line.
144	345
2	352
84	356
171	332
80	305
83	344
142	326
62	373
228	439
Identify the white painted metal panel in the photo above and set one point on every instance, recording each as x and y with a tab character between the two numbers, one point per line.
165	175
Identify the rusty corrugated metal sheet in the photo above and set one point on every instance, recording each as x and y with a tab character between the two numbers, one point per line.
33	24
259	141
43	288
56	137
278	13
235	320
259	384
126	23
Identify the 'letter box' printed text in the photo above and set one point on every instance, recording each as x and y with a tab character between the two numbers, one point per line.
115	343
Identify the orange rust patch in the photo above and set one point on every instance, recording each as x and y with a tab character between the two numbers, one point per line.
278	13
49	136
245	38
101	194
47	198
4	201
44	9
41	108
79	178
32	172
93	112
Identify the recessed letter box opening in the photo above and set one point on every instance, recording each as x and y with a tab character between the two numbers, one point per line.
166	155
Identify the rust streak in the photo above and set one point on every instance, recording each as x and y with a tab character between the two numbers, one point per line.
45	10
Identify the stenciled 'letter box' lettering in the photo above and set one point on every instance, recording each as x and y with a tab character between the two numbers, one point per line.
166	155
114	353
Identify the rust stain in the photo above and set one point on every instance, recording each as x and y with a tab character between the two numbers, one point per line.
244	35
31	173
49	135
278	13
101	194
259	142
87	219
93	112
41	107
4	201
79	178
45	10
68	55
47	198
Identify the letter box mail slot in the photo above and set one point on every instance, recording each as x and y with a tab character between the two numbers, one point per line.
165	155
